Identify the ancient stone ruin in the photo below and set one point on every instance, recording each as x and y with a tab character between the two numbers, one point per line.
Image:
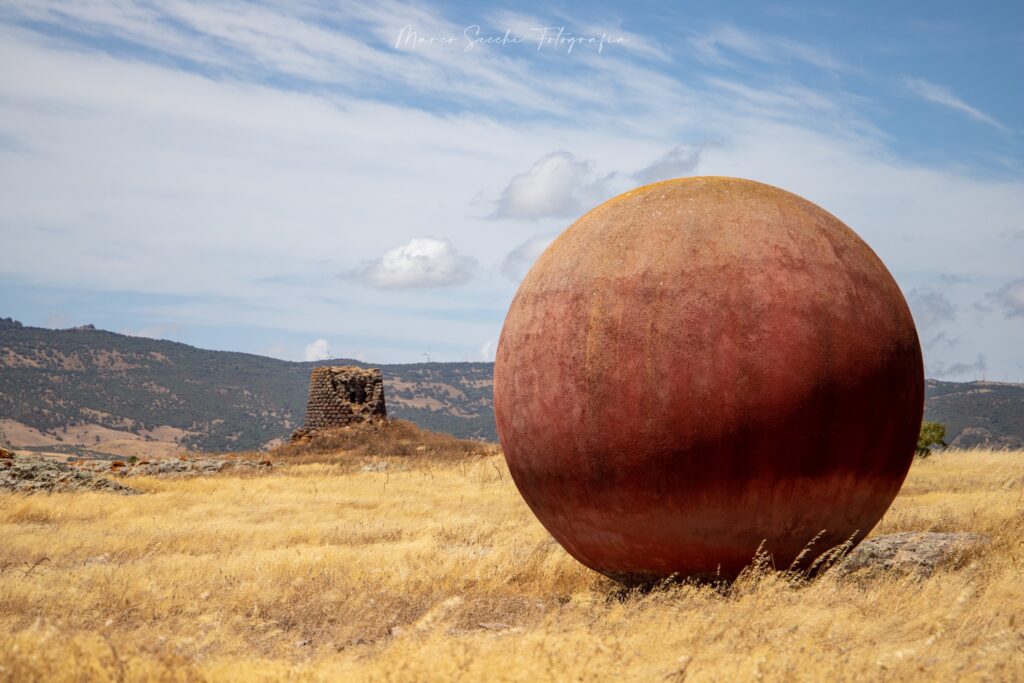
343	395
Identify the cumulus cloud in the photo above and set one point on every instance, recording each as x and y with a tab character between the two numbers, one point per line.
421	262
518	261
930	308
318	349
1011	298
559	184
941	95
679	161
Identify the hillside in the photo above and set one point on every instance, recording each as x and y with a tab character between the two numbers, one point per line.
93	388
977	413
113	393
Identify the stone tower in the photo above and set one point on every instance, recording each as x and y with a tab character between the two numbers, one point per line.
344	395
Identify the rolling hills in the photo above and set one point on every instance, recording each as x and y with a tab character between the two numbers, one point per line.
84	388
91	388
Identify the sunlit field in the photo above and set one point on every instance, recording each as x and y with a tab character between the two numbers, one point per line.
412	568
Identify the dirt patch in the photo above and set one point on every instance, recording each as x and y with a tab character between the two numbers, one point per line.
128	448
18	434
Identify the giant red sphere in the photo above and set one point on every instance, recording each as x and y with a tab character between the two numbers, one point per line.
702	365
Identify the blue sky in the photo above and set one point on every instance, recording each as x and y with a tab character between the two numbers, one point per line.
363	180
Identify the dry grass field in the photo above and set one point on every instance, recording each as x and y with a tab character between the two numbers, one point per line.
434	569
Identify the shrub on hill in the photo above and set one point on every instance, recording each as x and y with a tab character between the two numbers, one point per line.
386	438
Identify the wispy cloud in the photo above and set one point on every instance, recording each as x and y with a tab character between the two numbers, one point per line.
679	161
519	260
959	369
944	96
930	308
1011	298
722	43
488	349
348	44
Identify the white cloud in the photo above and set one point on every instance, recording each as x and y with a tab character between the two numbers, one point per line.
421	262
1011	298
178	187
558	185
318	349
340	43
679	161
529	28
944	96
488	349
518	261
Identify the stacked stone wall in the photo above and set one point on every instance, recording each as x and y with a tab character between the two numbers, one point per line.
344	395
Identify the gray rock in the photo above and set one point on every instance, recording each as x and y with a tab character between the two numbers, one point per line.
182	468
910	552
493	626
39	475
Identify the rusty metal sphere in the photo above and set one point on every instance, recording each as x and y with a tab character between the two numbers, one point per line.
703	365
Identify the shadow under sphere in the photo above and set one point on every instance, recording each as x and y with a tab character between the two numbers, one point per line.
700	365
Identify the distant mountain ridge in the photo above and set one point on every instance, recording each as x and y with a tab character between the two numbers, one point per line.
95	389
86	386
977	413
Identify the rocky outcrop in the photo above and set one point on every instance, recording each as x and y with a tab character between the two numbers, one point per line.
342	395
910	552
184	467
39	475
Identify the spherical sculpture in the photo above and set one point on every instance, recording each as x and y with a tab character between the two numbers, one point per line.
702	365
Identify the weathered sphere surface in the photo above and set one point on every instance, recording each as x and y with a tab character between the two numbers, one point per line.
700	365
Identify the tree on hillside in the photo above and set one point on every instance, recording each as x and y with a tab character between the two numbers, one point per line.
932	434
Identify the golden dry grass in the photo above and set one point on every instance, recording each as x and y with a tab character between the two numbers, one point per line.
438	571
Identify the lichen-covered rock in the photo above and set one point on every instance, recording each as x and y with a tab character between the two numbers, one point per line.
910	552
182	468
39	475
